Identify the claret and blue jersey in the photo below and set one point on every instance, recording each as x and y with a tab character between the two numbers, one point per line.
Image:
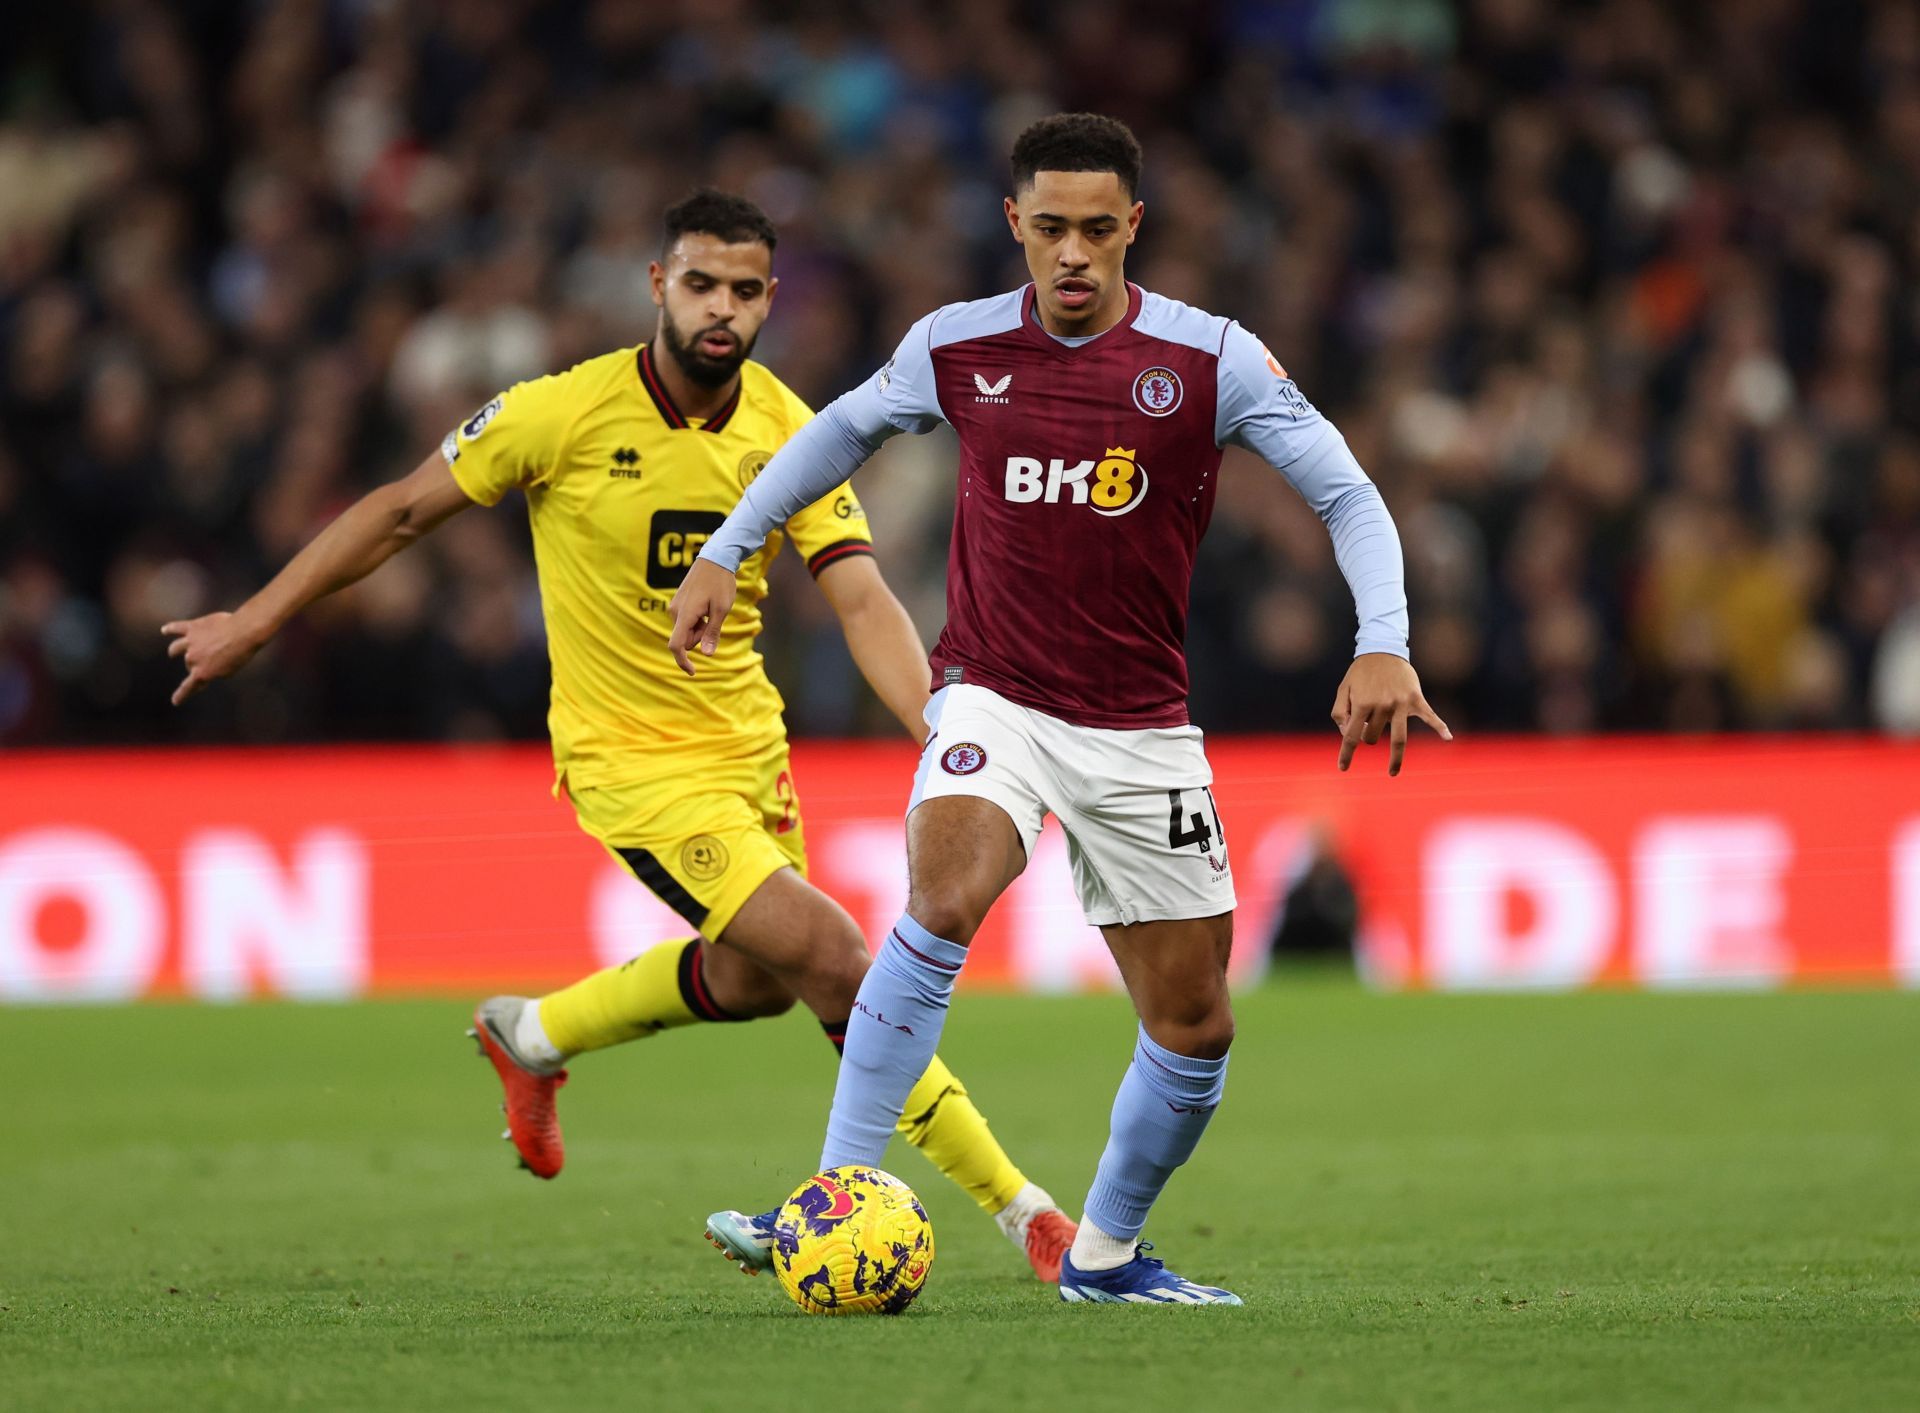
1087	475
1088	469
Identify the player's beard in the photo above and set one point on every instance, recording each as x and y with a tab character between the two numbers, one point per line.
700	368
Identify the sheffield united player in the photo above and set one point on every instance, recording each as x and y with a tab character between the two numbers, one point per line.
1091	417
626	462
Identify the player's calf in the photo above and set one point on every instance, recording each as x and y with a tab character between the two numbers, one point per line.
741	986
802	940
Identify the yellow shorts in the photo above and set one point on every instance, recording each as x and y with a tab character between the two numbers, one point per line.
703	843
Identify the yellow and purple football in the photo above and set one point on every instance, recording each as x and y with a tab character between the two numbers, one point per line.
852	1241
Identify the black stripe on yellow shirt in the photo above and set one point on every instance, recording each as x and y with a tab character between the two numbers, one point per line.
835	552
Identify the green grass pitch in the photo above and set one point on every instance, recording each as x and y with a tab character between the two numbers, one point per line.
1581	1202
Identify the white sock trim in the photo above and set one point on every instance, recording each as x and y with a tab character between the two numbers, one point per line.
1028	1203
530	1037
1095	1250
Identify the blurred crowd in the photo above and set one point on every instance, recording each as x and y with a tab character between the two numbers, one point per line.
1617	301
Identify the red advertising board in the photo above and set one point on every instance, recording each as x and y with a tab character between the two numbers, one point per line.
1489	864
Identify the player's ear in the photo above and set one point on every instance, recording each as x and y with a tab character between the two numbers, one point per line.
773	288
1013	220
657	277
1133	220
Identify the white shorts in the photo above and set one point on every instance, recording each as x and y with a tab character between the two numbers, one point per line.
1142	828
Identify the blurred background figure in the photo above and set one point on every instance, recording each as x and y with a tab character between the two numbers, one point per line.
1617	301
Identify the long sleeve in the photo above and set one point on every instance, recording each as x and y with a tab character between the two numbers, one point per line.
830	448
813	463
1262	410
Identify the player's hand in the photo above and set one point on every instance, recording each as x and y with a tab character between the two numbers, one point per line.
702	605
215	646
1381	693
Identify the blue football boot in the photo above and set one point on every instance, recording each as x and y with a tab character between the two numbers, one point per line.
745	1241
1142	1281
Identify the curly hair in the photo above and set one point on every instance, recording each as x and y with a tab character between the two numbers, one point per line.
1077	142
721	214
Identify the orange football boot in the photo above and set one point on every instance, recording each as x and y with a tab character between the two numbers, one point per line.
532	1124
1049	1237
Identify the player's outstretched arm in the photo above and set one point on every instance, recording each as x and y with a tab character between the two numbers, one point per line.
367	534
885	645
815	460
1262	410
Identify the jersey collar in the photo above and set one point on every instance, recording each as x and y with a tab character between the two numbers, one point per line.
657	390
1030	323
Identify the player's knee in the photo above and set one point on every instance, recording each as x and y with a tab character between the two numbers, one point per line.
837	961
1202	1031
947	911
1213	1037
1207	1041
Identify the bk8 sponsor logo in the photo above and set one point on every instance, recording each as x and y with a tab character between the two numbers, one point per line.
1112	485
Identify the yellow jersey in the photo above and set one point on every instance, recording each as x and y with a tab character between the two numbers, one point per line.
623	490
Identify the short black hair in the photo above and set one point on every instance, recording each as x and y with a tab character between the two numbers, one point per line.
720	214
1077	142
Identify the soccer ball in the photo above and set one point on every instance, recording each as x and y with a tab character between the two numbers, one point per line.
852	1241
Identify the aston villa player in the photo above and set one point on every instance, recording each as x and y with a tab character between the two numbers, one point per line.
1091	416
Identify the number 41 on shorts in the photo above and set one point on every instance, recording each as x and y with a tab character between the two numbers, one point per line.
1194	829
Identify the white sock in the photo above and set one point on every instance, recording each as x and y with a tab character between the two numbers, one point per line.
530	1038
1028	1203
1094	1250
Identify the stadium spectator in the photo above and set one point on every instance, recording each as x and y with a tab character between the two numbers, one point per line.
1644	398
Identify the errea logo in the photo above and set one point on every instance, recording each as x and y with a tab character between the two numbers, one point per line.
1112	486
994	391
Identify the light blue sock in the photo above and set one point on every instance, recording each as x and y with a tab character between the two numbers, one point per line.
891	1036
1161	1110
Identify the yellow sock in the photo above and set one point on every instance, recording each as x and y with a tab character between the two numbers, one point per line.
662	988
942	1122
657	990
